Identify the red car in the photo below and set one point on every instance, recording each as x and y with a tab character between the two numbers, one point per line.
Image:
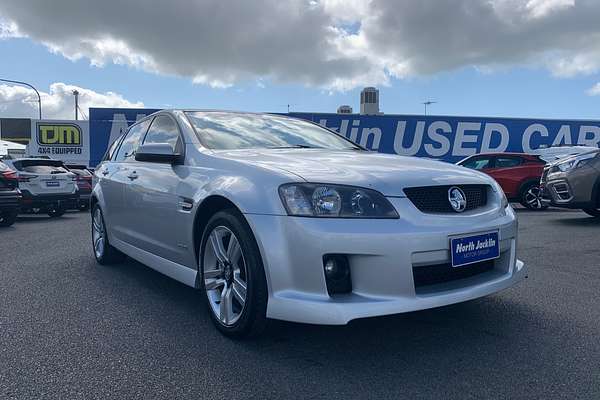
518	174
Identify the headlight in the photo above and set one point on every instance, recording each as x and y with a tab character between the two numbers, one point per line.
503	200
577	162
322	200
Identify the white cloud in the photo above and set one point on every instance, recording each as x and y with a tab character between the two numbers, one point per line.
542	8
332	44
58	103
594	90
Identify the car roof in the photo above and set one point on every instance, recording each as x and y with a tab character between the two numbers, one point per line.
506	153
32	159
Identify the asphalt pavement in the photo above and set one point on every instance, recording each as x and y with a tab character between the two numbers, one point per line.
72	329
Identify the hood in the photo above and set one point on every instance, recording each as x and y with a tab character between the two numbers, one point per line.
388	174
570	157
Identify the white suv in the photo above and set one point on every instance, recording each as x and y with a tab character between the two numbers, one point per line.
46	185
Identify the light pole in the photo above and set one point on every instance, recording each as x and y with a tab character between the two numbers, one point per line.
76	94
428	103
31	86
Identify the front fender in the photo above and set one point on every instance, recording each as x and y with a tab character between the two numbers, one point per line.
248	196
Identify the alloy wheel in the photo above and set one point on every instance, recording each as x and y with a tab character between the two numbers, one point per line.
98	233
225	275
533	198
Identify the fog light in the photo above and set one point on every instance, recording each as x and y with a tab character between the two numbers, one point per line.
337	274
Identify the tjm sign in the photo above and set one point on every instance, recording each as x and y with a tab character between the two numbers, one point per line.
61	140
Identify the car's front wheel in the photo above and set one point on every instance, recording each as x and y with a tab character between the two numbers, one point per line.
233	277
7	218
105	253
531	197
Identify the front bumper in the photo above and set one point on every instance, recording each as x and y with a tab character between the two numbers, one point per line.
382	255
567	189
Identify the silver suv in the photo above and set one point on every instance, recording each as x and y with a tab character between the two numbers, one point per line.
574	182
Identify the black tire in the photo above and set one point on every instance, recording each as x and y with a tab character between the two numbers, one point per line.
7	218
56	211
252	318
108	254
531	197
594	212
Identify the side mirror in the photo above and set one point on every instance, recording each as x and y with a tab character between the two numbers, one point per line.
158	153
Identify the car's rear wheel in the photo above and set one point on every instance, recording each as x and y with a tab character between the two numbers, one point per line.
531	197
233	277
105	253
7	218
56	211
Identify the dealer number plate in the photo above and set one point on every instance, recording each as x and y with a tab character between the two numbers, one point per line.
472	249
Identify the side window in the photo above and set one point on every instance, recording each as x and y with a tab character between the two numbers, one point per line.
112	149
163	130
131	141
507	162
478	163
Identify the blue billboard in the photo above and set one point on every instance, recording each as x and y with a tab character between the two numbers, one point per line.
454	138
107	124
441	137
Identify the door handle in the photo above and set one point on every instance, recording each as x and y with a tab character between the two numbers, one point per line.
133	175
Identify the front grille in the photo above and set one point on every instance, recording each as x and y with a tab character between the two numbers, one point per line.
442	273
562	190
434	199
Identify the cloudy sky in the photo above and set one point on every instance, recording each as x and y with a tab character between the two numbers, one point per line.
538	58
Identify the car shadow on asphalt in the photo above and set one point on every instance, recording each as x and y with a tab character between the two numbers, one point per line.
43	218
484	342
580	221
457	336
547	210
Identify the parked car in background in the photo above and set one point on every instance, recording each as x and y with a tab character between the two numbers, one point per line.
46	185
518	174
10	196
276	217
84	184
551	154
574	182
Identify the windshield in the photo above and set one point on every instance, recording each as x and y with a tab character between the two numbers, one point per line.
40	166
230	131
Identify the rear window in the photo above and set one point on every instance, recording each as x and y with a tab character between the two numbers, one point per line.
80	171
507	162
40	166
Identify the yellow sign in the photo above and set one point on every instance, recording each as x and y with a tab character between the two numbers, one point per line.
59	135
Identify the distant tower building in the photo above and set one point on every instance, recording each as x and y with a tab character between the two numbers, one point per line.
369	101
344	110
